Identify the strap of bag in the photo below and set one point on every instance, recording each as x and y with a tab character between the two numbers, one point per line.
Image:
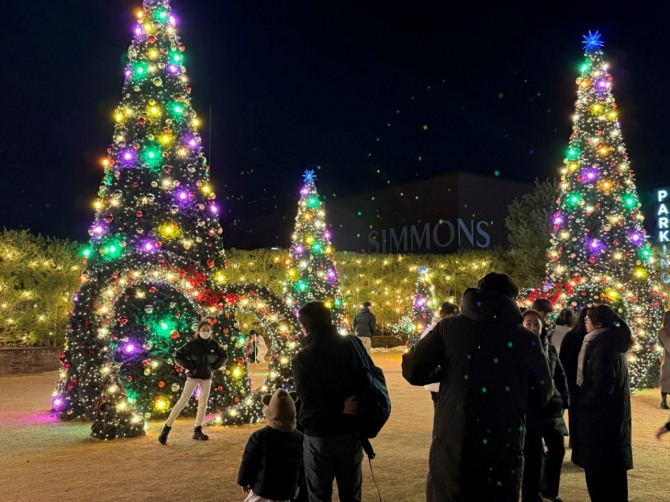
363	355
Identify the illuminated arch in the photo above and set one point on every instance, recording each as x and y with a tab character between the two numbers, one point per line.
283	331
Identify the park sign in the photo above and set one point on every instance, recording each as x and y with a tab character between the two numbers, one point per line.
662	213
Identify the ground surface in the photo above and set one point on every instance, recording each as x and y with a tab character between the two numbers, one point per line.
43	459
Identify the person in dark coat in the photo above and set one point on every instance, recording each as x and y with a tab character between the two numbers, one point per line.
664	341
570	347
546	427
200	357
364	325
492	371
272	460
328	374
602	445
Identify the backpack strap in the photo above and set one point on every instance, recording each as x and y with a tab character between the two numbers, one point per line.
362	354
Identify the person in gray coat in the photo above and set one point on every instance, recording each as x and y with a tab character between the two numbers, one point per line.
664	341
364	325
493	372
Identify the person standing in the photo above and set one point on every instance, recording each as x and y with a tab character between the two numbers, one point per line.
569	353
200	357
602	445
546	427
328	375
447	309
564	323
493	372
272	460
664	341
364	325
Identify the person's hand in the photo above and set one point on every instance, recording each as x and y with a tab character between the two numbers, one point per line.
350	406
662	430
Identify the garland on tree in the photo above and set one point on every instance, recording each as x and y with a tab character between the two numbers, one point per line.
311	271
599	251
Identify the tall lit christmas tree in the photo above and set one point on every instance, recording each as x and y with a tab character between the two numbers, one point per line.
154	253
423	306
311	270
599	253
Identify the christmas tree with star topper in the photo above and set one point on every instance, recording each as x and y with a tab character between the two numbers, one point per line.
311	271
154	254
599	252
423	306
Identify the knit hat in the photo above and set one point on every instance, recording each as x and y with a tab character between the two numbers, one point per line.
280	410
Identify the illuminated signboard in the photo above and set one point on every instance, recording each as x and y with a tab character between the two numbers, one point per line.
662	215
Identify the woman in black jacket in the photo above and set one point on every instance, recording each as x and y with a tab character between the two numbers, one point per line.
602	445
200	357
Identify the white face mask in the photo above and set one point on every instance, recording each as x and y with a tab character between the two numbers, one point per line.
205	334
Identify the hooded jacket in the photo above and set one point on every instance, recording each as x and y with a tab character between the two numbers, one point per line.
493	371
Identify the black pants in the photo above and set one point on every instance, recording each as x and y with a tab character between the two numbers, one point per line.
333	457
533	451
607	486
553	462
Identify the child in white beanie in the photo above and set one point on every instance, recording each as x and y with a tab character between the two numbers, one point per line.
272	459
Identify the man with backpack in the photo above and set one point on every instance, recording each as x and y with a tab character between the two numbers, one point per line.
493	372
329	375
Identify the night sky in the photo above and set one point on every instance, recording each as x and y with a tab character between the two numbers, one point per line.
366	93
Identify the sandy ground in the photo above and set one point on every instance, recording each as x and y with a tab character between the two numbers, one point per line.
43	459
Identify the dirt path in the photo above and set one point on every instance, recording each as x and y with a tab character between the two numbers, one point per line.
43	459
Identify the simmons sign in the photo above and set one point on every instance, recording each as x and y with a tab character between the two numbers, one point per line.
431	236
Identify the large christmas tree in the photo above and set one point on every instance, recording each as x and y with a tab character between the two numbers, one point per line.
153	256
599	252
311	271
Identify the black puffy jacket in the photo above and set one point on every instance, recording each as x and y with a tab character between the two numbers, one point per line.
201	357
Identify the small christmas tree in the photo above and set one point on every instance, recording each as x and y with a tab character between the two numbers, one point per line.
599	252
154	252
423	307
311	270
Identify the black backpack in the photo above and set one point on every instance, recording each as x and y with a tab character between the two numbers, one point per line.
374	403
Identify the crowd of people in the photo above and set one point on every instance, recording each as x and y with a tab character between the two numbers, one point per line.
502	380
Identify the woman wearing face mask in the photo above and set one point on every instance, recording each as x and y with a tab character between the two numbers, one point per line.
200	357
602	445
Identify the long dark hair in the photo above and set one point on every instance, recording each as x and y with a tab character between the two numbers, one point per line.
607	318
566	318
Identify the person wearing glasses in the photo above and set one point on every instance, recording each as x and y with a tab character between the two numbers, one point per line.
602	443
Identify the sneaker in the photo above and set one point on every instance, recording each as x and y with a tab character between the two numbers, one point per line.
162	438
198	434
664	406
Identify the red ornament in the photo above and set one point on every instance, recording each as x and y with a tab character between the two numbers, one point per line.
237	400
129	378
161	384
210	263
151	39
174	334
139	214
152	289
123	320
219	388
